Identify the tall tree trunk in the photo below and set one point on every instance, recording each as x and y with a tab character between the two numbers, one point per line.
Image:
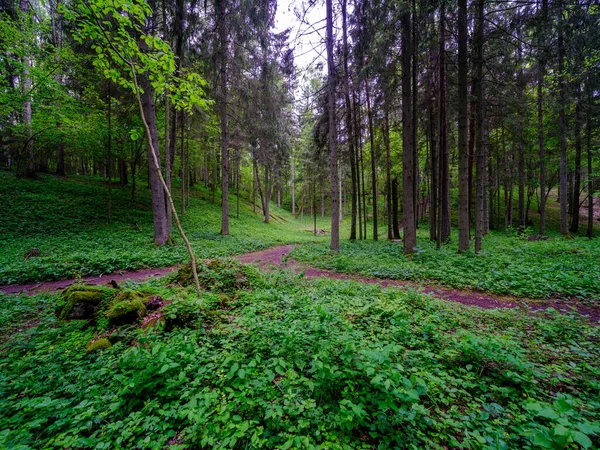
293	185
410	235
31	167
388	172
540	114
335	213
373	171
161	230
349	127
167	120
577	175
222	8
588	135
395	221
433	157
521	176
564	230
463	150
415	118
183	155
444	222
480	130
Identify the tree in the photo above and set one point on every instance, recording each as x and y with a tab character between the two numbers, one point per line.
140	62
408	219
463	151
332	129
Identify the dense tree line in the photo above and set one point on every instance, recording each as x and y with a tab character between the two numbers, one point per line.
489	99
493	99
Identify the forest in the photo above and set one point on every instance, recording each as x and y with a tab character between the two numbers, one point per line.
319	224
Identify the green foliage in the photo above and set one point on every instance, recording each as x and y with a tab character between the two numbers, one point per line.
66	220
126	311
124	50
297	364
226	276
99	344
80	301
509	265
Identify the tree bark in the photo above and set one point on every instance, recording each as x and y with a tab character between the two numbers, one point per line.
31	167
463	150
349	128
480	130
562	131
577	175
540	115
222	8
373	171
395	221
590	221
293	185
410	235
159	208
335	213
444	221
388	171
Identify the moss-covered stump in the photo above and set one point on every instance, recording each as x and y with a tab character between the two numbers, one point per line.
218	275
130	305
81	302
99	344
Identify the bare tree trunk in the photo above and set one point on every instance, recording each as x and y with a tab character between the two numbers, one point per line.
433	192
335	213
183	155
577	175
395	221
463	150
388	172
563	131
410	235
540	118
224	127
444	222
293	185
31	168
349	127
373	171
590	222
167	120
521	175
480	131
415	118
161	230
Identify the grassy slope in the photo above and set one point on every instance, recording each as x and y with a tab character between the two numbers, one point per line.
509	264
66	220
297	364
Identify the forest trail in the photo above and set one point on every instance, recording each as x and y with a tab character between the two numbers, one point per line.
277	258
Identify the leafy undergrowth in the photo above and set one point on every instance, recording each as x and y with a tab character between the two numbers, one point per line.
508	265
66	221
282	362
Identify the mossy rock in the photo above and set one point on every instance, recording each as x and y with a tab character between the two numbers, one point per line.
218	275
126	311
100	344
129	295
81	302
153	321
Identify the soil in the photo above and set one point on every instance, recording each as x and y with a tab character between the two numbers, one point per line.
276	258
107	280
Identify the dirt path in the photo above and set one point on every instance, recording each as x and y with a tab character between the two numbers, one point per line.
118	277
276	257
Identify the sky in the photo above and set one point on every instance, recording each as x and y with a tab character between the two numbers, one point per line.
307	36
